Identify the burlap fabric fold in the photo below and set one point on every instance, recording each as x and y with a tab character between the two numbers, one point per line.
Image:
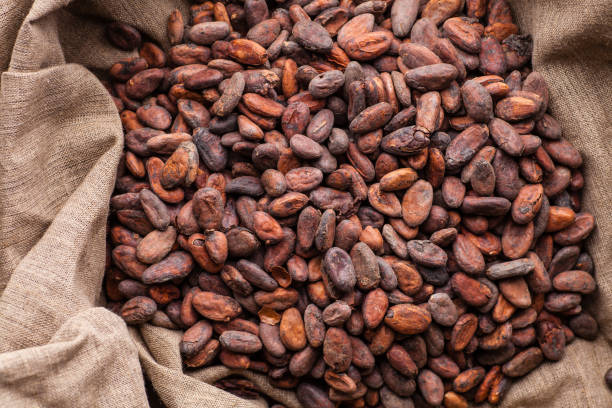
60	141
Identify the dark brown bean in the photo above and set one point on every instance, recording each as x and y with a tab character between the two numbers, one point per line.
307	160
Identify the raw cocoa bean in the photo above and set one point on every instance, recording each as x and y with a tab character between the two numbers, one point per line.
407	319
433	77
240	341
138	310
216	307
312	36
195	338
176	266
333	213
523	362
338	265
337	350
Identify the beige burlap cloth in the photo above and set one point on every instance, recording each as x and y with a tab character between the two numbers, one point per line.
60	140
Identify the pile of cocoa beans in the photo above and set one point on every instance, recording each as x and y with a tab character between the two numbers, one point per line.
365	200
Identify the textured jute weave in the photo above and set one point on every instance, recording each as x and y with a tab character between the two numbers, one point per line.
60	141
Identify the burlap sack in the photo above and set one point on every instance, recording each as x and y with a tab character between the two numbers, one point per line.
60	140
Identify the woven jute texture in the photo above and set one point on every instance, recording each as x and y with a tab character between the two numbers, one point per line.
60	141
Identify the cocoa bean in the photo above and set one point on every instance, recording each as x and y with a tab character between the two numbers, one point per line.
333	213
138	310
